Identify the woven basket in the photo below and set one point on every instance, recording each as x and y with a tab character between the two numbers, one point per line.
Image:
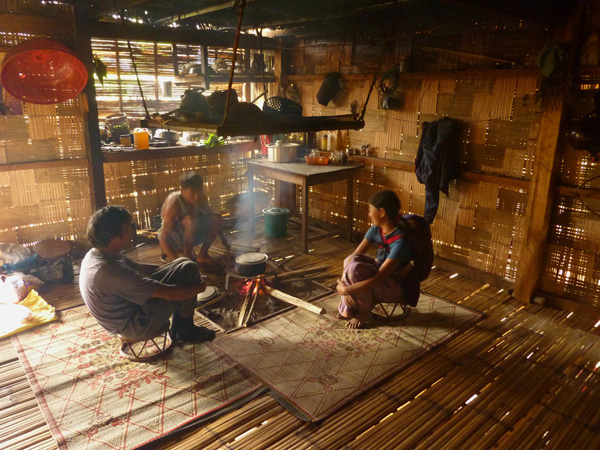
52	248
282	107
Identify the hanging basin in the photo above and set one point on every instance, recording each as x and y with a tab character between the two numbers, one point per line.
43	71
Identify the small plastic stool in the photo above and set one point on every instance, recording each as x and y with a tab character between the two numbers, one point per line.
145	350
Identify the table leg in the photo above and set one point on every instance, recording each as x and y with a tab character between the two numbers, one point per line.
305	216
251	200
349	208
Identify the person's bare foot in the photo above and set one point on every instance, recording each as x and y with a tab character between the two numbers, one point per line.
340	317
204	260
354	324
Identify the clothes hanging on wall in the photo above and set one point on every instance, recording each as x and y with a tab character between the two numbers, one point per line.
437	161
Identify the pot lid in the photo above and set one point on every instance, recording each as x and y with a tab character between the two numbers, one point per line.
282	145
276	211
209	292
251	258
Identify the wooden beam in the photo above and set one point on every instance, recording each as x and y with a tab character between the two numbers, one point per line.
52	163
451	74
198	12
407	166
148	33
541	192
37	25
471	272
583	192
567	304
93	145
539	206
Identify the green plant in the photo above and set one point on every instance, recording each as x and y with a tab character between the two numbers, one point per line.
213	141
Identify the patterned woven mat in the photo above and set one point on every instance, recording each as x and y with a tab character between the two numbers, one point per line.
317	365
92	397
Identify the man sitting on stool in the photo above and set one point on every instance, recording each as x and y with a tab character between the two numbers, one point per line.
187	220
136	300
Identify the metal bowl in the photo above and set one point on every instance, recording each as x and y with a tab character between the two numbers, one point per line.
251	264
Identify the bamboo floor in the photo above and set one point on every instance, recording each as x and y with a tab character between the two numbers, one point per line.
523	377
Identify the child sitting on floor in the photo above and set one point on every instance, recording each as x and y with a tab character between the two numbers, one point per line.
366	278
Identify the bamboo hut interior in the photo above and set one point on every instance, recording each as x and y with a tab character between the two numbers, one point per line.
517	238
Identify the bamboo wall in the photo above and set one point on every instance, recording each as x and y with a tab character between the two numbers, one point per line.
44	181
481	222
142	186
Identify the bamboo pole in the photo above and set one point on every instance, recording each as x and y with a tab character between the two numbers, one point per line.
245	304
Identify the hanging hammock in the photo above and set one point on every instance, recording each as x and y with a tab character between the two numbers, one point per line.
269	125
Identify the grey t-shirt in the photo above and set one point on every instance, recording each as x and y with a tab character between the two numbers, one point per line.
112	291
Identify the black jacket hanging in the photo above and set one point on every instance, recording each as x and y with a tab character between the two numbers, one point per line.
437	161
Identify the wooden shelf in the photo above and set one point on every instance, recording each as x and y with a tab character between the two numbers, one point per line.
409	166
177	151
224	78
455	74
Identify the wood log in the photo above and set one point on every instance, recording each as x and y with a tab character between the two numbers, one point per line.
301	272
294	301
211	302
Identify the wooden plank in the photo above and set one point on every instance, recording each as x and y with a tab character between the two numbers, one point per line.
464	175
211	38
177	151
92	138
453	74
38	25
53	163
582	192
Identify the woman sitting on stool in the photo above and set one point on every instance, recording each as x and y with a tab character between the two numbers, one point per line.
366	279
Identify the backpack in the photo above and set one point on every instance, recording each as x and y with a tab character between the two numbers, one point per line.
418	235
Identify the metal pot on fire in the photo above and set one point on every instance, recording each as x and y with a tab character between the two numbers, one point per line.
251	264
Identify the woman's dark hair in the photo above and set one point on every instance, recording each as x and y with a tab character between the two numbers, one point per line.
387	200
107	223
191	180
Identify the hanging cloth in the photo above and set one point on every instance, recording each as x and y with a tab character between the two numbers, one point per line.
437	161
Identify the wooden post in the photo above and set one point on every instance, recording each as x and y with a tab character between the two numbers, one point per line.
541	189
94	150
205	67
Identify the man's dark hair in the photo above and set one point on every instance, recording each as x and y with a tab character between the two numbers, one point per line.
107	223
387	200
191	180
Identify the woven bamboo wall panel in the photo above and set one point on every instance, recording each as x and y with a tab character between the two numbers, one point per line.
142	186
39	204
572	261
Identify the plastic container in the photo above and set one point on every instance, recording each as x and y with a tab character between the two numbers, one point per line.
317	160
276	220
141	139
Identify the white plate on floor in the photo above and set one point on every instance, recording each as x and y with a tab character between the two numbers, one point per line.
209	292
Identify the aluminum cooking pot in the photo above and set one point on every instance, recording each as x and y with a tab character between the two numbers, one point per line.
251	264
280	152
171	137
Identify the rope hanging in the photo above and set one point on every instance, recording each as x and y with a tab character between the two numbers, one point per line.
137	77
235	49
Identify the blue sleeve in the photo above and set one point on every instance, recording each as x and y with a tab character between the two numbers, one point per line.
372	234
401	251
